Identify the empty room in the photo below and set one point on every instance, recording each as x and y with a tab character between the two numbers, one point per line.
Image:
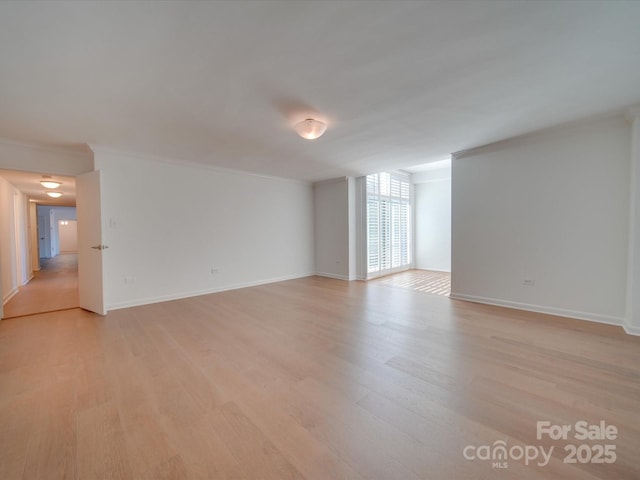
320	240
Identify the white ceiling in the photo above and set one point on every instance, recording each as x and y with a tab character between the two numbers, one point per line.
222	83
29	183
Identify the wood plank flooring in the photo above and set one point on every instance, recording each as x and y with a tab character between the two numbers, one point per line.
427	281
309	379
54	287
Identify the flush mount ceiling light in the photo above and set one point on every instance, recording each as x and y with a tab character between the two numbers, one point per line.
54	194
49	183
310	128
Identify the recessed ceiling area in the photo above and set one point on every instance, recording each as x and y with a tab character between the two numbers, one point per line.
223	83
29	184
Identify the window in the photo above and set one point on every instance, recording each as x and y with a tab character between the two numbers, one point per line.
388	222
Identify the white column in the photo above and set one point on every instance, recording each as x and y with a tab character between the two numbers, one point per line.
632	320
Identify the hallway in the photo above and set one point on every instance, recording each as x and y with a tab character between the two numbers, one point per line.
54	287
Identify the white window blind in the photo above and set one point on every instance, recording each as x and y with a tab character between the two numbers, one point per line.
388	222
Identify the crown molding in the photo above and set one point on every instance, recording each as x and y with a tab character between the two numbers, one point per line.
191	164
44	148
619	115
330	181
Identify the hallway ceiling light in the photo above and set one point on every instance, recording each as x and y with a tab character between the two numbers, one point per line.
50	183
310	128
54	194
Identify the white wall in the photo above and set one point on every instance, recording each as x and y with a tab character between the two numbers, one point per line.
8	259
552	208
21	215
432	194
354	218
68	235
69	214
64	213
331	219
632	320
15	262
168	225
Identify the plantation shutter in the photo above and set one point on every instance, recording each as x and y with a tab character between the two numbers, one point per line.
388	222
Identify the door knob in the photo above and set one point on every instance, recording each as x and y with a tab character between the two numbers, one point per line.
100	247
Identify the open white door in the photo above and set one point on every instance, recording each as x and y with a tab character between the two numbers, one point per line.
90	246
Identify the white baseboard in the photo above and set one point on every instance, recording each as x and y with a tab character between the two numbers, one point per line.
9	296
331	275
561	312
388	272
431	269
630	329
166	298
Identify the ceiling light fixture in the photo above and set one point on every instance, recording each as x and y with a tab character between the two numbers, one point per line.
54	194
48	183
310	128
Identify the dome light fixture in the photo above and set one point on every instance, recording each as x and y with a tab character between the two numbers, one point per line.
48	182
310	128
53	194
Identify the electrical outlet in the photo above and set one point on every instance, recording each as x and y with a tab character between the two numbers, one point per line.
129	280
214	270
528	282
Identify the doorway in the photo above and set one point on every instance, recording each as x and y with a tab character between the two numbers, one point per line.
54	284
40	266
432	188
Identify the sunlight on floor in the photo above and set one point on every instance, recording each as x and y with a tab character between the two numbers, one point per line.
427	281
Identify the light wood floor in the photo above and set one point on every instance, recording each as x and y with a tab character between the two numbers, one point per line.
426	281
54	287
312	378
